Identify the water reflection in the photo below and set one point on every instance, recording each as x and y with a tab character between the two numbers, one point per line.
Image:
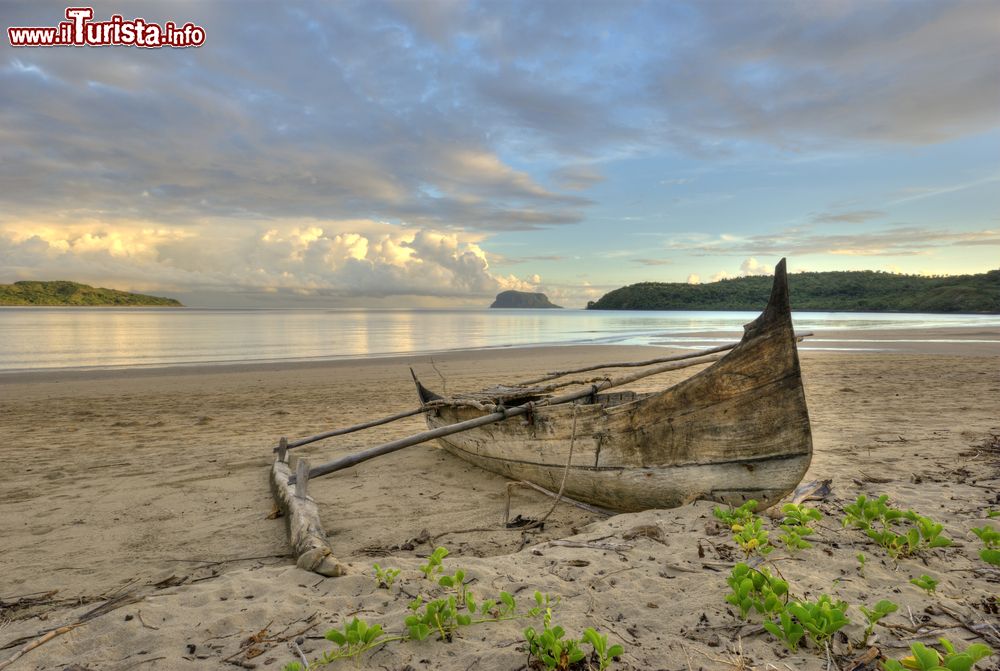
41	338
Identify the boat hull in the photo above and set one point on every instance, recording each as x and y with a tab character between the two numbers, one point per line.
737	430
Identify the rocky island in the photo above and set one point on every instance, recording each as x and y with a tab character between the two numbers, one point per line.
522	299
61	292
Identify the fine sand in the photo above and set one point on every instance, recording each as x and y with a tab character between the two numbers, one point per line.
149	488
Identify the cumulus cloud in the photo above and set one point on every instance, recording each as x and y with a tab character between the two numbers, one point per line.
358	258
749	267
432	125
694	278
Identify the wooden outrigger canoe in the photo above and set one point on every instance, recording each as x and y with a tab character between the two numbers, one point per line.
737	430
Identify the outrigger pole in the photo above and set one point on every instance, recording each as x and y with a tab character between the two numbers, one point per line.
548	376
499	416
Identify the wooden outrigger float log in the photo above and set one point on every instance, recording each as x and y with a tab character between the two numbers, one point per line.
736	430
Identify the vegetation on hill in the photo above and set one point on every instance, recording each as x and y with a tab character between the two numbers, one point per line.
844	291
522	299
61	292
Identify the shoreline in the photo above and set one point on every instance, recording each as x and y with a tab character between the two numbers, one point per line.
965	340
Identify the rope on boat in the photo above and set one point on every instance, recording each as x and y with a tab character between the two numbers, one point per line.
562	485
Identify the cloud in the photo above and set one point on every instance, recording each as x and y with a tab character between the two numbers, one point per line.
694	278
420	121
896	241
748	268
332	259
577	177
854	217
795	75
652	262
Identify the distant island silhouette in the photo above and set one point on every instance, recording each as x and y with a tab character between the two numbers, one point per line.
62	292
522	299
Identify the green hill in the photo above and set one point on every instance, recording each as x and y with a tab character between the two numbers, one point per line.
61	292
845	291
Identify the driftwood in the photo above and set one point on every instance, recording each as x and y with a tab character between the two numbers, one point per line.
492	418
37	642
305	531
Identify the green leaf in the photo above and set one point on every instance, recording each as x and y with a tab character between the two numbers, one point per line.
961	662
884	607
617	651
990	556
926	657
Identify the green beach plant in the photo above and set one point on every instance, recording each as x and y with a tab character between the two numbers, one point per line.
872	616
877	519
821	619
740	515
795	526
384	577
991	540
433	565
550	647
786	630
923	658
605	655
756	589
926	583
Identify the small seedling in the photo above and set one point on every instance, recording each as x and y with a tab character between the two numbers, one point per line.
786	630
740	515
385	577
926	583
549	646
599	642
752	537
795	526
456	582
821	619
355	638
923	534
757	590
923	658
864	511
991	539
861	563
882	608
441	615
433	565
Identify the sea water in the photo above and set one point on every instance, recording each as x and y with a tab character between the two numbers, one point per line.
40	338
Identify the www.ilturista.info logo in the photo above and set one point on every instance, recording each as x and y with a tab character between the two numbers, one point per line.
80	31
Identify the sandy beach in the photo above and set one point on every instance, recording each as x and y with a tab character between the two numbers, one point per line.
147	491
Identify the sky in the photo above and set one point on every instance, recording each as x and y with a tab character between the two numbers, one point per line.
434	152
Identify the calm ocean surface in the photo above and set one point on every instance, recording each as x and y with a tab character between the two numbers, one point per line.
82	338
